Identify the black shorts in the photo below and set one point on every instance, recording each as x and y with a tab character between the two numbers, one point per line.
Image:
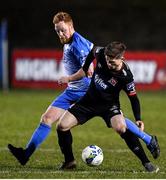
84	112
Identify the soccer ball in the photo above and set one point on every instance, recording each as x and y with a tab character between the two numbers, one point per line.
92	155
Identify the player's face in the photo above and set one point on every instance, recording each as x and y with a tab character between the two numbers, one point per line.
64	31
113	63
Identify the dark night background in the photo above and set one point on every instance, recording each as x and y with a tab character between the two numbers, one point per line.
141	24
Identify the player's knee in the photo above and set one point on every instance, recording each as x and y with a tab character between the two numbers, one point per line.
118	124
47	119
62	127
120	128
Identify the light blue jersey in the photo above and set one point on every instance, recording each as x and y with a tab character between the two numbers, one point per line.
74	55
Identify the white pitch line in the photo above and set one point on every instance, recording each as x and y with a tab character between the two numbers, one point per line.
55	150
76	172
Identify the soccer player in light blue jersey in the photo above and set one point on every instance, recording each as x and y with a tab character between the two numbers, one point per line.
76	48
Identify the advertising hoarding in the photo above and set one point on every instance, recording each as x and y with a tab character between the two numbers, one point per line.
42	69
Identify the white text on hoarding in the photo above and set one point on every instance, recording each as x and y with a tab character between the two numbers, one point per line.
38	69
143	71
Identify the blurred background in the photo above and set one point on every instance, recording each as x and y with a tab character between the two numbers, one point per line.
30	61
140	24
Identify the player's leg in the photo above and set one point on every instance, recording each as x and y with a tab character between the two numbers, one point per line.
135	146
135	129
51	115
151	141
119	125
77	114
65	139
41	133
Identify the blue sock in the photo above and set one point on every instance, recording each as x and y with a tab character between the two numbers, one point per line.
39	135
135	130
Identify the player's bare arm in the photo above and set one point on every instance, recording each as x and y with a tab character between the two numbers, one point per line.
76	76
86	70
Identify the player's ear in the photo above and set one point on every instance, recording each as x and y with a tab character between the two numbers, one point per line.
122	58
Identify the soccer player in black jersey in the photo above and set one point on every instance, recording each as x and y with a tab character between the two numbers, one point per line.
111	76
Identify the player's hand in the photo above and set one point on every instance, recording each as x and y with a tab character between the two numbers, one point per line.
89	73
63	79
140	124
90	70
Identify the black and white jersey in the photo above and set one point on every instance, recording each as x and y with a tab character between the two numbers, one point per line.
106	84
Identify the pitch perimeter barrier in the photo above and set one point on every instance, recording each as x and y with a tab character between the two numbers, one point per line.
3	55
42	68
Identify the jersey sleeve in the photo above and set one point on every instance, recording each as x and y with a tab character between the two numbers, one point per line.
81	51
129	86
89	60
91	56
130	90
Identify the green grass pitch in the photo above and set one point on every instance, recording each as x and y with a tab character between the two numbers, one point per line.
20	113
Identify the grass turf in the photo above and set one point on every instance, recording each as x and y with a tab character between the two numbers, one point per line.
20	112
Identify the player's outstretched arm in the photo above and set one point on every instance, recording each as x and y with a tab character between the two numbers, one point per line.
76	76
136	110
88	66
90	70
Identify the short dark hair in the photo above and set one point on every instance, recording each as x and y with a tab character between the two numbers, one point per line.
115	49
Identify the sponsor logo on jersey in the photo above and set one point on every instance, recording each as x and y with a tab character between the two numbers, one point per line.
114	109
99	65
113	81
100	82
124	72
130	86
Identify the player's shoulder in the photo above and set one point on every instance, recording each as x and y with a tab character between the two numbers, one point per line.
98	49
80	46
126	72
126	67
79	41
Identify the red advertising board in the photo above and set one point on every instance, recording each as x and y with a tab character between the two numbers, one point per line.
149	69
42	69
37	68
